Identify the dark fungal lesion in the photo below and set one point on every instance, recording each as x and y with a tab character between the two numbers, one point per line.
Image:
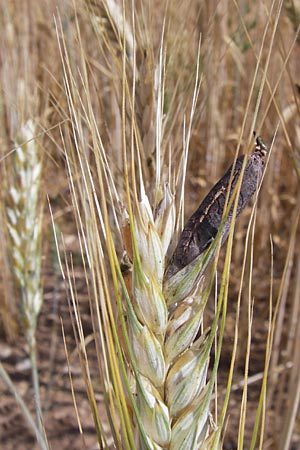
202	227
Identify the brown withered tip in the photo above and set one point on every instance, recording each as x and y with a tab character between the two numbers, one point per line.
202	227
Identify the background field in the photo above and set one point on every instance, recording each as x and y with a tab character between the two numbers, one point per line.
33	67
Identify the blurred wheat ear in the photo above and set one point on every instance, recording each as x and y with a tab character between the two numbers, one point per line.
24	210
24	221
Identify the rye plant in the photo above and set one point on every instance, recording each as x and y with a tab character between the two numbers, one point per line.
147	300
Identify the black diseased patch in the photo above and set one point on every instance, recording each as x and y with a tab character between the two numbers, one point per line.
202	227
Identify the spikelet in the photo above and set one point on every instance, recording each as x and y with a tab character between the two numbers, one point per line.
24	219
